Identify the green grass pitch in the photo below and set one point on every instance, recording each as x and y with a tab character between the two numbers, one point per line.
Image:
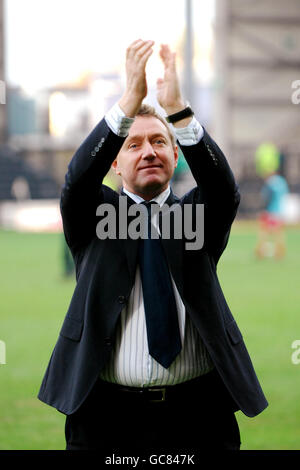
264	297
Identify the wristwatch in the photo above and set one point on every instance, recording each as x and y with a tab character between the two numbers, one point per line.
186	112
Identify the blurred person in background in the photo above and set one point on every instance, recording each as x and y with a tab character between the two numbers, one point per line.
149	356
271	236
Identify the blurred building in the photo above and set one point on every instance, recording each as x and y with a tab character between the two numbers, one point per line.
48	127
257	61
20	113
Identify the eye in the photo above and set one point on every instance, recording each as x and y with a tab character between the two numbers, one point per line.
132	146
159	141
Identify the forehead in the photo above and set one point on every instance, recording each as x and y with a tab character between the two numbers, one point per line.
147	125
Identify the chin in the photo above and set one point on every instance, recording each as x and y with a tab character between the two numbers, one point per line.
152	190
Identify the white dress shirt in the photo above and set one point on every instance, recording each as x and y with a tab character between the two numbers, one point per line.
130	363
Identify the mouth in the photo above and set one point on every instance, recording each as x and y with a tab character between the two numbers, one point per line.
150	167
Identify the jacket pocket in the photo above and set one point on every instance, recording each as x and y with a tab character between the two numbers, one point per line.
71	329
234	333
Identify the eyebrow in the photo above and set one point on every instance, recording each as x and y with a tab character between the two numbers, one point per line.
140	136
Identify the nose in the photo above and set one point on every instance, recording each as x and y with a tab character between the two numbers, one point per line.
148	152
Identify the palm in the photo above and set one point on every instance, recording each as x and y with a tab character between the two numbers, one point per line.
168	91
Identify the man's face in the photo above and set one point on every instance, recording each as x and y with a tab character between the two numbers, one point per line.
147	159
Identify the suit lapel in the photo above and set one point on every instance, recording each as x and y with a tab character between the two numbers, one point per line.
130	246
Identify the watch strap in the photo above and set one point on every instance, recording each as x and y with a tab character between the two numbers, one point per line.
184	113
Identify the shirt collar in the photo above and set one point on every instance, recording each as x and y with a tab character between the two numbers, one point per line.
160	199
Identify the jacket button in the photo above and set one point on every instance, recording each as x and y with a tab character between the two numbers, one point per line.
107	341
121	299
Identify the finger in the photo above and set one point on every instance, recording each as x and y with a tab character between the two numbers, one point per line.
133	45
168	57
173	59
143	48
136	41
145	57
165	52
142	55
139	47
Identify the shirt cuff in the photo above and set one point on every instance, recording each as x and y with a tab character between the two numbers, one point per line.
117	121
189	135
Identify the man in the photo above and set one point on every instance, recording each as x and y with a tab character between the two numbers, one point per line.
271	236
271	239
149	356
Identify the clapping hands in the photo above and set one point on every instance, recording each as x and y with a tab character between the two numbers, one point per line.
168	90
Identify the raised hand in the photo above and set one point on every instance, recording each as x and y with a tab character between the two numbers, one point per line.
168	89
137	55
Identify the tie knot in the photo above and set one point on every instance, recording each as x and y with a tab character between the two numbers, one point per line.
149	204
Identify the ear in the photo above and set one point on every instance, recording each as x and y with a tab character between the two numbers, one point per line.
115	167
176	155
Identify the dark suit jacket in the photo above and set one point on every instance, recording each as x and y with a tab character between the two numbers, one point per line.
105	272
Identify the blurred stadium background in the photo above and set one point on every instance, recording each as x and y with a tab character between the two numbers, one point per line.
239	64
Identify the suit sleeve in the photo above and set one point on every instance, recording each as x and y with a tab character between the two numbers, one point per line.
216	189
82	191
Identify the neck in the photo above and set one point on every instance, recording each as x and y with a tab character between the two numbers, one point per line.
161	196
147	195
